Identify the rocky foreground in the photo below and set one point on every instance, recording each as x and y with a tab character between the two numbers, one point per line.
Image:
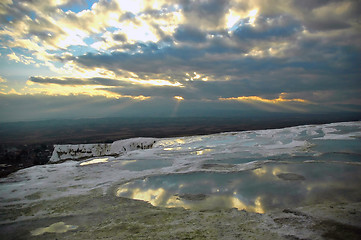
304	182
105	216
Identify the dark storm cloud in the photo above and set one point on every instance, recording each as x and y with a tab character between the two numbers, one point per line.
120	37
268	27
186	33
209	13
19	8
150	60
266	87
325	15
307	65
77	81
312	4
327	25
197	90
127	16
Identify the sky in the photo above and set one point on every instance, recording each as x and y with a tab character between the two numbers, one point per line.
168	58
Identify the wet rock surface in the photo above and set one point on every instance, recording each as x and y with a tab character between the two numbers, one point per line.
291	177
99	216
213	166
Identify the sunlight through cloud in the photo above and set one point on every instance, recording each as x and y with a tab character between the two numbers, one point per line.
179	98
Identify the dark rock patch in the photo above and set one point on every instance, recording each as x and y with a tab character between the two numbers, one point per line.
192	197
215	166
291	177
338	231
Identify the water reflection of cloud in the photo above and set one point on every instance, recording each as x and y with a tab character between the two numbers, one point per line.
156	197
259	190
94	161
260	172
105	160
173	149
126	162
164	198
203	151
58	227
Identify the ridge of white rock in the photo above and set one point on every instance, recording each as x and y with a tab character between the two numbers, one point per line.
131	144
80	151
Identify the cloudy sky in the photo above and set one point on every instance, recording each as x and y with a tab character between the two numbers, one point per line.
77	58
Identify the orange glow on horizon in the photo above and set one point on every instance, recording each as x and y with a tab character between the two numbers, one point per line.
265	100
86	90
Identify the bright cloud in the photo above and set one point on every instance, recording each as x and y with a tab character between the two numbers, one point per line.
2	80
179	98
13	57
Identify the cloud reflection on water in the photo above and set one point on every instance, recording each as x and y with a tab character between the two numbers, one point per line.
164	198
270	187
